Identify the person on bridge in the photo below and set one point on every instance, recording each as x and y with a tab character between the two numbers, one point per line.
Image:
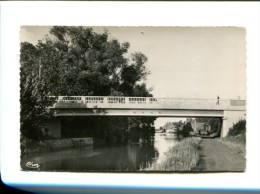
217	103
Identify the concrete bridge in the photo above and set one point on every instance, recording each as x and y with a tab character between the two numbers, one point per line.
229	110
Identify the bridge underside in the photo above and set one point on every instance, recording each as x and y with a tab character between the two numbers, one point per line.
139	112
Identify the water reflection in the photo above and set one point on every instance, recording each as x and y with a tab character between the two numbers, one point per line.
163	141
131	157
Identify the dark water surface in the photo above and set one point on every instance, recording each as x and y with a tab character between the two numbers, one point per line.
131	157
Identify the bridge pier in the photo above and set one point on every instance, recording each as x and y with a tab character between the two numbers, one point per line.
224	127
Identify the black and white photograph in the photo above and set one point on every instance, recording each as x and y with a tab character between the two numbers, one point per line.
133	99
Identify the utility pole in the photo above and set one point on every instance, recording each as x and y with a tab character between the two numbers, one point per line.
40	67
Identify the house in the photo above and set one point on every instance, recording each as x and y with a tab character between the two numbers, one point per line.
170	127
200	127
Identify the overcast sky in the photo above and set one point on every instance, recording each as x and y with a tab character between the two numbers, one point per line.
185	62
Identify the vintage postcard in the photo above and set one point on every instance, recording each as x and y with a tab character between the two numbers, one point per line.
132	99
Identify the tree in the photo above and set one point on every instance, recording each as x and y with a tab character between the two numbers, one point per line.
77	61
187	128
33	95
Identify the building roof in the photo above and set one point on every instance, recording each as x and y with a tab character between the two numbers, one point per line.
169	125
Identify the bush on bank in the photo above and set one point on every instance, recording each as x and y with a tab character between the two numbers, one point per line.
182	157
29	146
238	128
236	137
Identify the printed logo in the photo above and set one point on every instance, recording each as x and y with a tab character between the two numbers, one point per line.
32	165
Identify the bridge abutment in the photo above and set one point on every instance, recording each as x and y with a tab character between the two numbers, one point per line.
54	127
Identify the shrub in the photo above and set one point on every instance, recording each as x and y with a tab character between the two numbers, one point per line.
238	128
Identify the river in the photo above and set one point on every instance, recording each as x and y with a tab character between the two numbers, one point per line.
131	157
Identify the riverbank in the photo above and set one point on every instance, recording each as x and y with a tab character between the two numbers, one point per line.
208	155
236	143
182	157
28	146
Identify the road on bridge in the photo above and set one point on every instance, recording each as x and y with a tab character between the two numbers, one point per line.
216	156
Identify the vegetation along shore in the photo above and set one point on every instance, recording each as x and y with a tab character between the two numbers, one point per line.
196	153
182	157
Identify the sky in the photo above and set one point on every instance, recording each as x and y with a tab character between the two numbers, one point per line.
185	62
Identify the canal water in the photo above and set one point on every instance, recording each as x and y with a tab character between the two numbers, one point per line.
131	157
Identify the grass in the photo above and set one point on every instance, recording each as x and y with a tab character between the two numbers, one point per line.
236	137
182	157
236	143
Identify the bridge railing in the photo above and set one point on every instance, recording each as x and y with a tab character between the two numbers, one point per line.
95	100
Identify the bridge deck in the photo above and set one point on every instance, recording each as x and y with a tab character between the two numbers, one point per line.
149	103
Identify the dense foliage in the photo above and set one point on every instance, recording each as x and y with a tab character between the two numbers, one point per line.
76	61
33	94
187	128
238	128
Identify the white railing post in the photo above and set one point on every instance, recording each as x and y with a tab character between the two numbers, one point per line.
106	100
126	100
147	100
